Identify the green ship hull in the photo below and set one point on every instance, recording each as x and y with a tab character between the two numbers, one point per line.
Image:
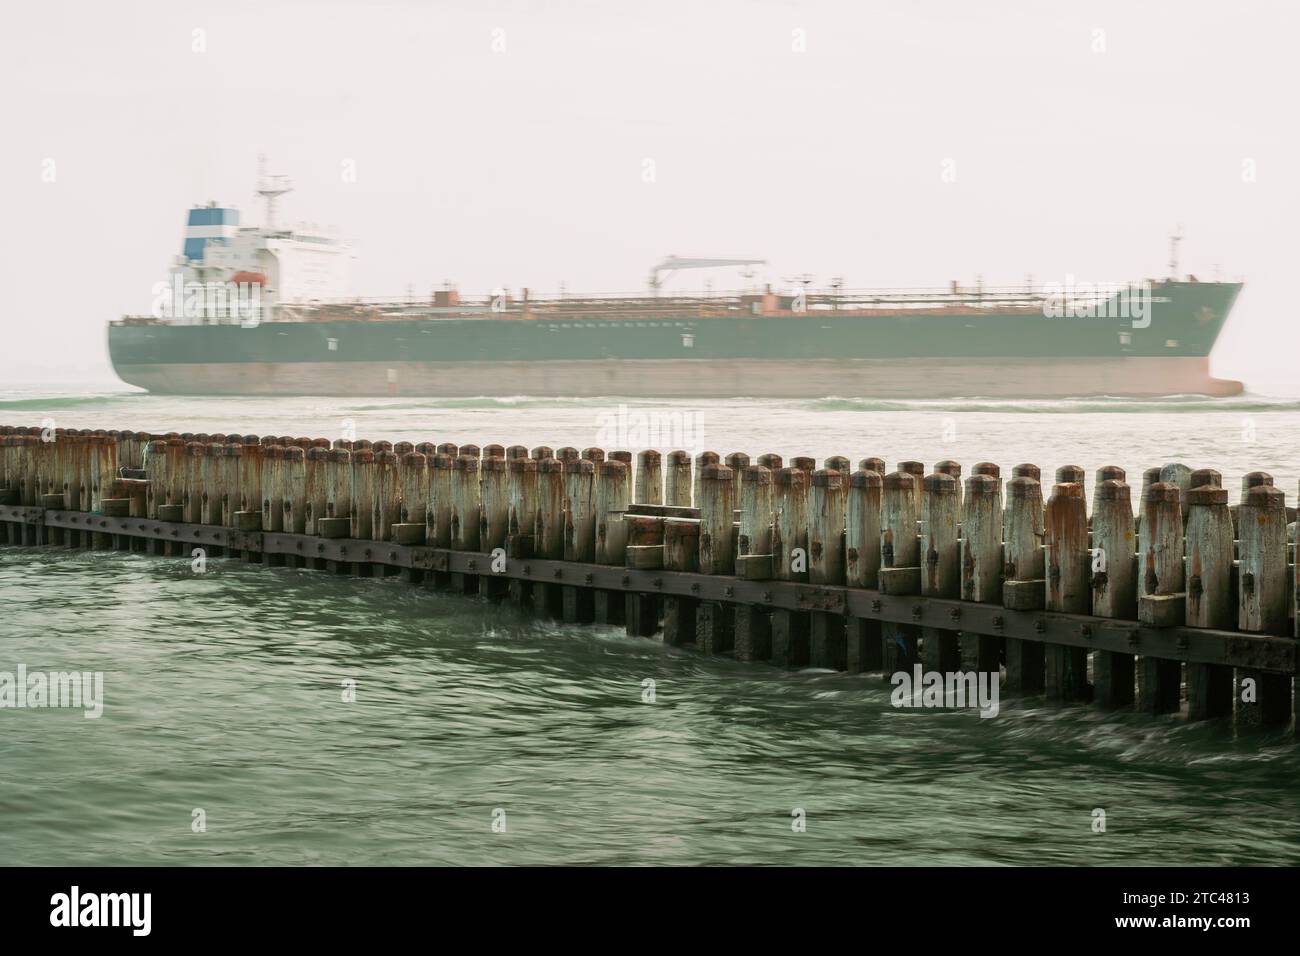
956	348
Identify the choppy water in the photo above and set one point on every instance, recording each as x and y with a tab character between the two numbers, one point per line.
224	690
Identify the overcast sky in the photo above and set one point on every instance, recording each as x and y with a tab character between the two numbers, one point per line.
548	142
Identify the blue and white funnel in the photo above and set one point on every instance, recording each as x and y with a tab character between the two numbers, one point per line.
205	224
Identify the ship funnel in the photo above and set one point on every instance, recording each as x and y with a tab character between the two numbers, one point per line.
207	224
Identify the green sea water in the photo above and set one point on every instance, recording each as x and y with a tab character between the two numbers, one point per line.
313	719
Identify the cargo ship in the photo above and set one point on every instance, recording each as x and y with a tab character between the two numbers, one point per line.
264	310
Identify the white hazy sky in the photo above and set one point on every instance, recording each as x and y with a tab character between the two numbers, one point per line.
523	166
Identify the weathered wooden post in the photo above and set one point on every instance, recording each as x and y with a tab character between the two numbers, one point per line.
995	472
649	478
579	536
790	629
753	640
1209	594
900	564
272	492
548	600
681	553
1072	474
415	500
981	567
862	565
1024	585
363	494
1068	590
629	473
609	505
1114	583
677	480
494	517
466	507
702	460
645	549
1180	476
1162	599
1252	479
316	466
772	462
737	461
521	533
295	492
248	515
195	455
940	566
541	453
839	463
1103	474
386	507
953	470
828	640
438	532
715	628
1263	698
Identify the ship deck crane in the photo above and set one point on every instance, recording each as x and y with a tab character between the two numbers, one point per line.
660	273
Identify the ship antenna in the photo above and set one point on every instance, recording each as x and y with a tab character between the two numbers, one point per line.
270	188
1174	240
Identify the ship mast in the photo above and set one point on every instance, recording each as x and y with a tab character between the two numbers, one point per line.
270	188
1174	240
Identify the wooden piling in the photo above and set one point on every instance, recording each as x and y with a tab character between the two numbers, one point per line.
677	480
753	637
466	508
790	629
681	553
1024	584
649	478
715	629
981	568
1068	590
900	563
1114	584
1209	594
362	493
386	503
862	565
953	470
1162	599
940	565
1263	699
295	493
702	461
828	640
548	600
579	536
316	470
609	504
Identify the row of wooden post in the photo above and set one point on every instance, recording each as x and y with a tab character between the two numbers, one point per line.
1187	557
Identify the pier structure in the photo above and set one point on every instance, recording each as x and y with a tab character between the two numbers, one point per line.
1187	606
